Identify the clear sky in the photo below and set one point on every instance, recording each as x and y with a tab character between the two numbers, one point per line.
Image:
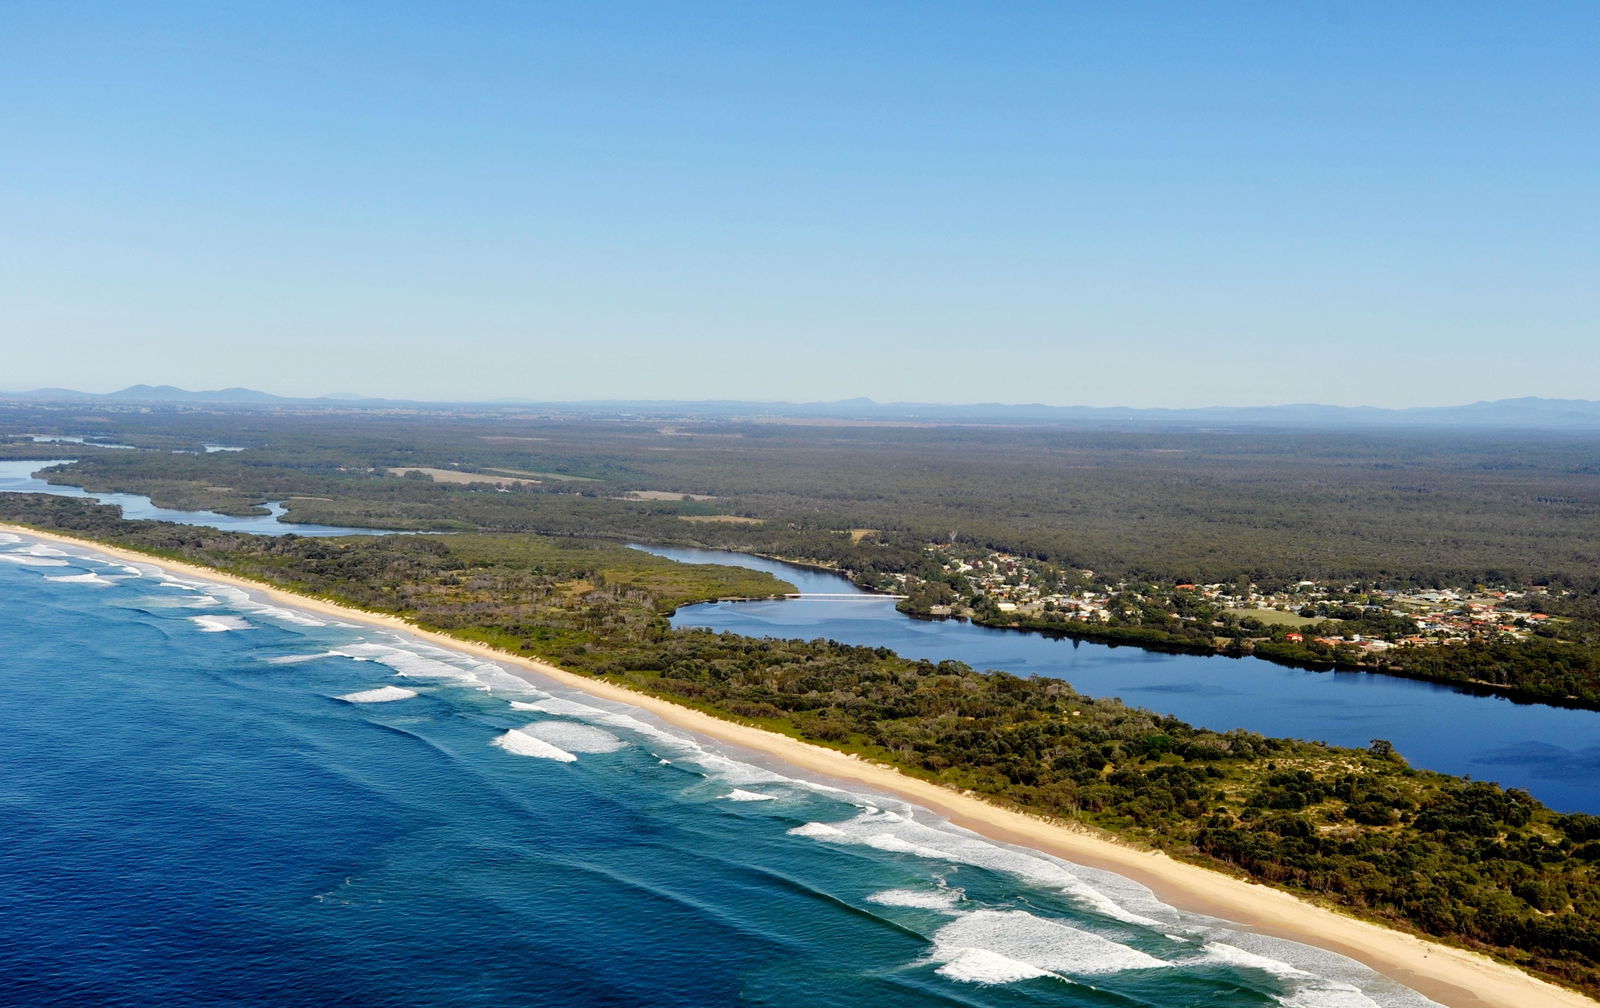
1146	204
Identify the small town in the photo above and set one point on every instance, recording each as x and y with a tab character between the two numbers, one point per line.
1362	620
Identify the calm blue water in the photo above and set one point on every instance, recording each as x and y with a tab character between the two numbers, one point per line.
1552	752
17	477
202	802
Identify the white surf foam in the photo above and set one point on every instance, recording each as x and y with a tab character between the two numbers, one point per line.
383	694
407	663
237	596
29	560
818	831
220	624
44	550
1306	990
741	795
919	899
1046	945
981	966
295	659
90	578
524	744
683	750
421	661
681	747
287	615
574	737
168	581
892	832
7	538
898	845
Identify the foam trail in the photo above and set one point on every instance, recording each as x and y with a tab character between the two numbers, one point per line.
407	663
524	744
383	694
29	560
891	832
89	578
741	795
220	624
918	899
287	615
982	966
295	659
1307	990
897	845
416	660
574	738
168	581
1047	946
681	747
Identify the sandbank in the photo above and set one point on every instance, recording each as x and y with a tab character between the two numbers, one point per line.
1450	976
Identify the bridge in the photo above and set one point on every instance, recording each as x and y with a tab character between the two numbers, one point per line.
825	597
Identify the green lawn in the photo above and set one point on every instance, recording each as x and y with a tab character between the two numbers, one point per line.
1276	617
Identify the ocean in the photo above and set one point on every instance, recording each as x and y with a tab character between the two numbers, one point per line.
208	799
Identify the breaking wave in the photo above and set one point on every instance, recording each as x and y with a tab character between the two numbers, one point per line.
220	624
523	744
383	694
88	578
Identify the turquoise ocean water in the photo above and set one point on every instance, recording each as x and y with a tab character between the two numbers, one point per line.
207	799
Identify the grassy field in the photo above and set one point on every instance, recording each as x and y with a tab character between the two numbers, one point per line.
1277	617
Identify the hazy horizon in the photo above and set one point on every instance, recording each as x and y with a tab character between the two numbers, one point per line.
349	395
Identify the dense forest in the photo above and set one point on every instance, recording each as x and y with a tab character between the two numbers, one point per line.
1430	507
1416	507
1461	860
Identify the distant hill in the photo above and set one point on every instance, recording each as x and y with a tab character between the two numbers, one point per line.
1528	412
168	393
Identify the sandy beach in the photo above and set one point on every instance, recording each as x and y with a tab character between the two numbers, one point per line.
1452	977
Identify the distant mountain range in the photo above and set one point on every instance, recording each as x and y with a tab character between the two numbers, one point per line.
1529	412
150	394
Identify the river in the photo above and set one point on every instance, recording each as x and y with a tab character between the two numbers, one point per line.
1552	752
17	477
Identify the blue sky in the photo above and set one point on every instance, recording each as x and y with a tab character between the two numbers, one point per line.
1142	204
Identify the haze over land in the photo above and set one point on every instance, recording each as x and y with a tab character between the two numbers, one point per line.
1529	412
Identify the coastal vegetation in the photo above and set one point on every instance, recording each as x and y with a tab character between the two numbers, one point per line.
1140	511
1461	860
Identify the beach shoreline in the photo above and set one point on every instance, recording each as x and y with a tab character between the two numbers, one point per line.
1452	977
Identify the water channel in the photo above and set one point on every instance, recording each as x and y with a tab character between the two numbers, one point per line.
17	477
1552	752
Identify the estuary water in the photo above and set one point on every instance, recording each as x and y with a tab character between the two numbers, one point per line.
1552	752
17	477
209	799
